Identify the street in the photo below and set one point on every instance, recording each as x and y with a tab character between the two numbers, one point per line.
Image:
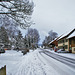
68	61
38	62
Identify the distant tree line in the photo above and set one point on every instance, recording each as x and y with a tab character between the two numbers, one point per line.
52	35
14	38
18	13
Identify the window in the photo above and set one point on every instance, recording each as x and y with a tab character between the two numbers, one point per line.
66	46
74	49
63	41
60	47
66	40
70	42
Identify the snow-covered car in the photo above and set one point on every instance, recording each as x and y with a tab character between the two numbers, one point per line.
2	50
62	51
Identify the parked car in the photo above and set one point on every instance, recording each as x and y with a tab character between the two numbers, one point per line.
2	50
51	49
62	51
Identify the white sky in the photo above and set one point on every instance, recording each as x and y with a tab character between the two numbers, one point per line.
56	15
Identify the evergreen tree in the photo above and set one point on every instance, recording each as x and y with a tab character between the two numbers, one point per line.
3	36
25	42
19	40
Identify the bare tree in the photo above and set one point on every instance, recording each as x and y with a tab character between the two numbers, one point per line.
19	10
33	33
52	36
33	37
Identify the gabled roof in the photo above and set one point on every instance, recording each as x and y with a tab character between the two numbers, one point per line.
67	34
56	39
72	35
52	40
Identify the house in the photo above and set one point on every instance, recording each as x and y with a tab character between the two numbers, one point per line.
67	41
53	43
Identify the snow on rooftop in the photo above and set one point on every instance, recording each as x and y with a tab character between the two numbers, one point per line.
65	34
72	35
52	40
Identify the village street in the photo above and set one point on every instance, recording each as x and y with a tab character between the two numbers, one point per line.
37	37
38	62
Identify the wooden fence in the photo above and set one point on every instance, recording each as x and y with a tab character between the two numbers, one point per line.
3	70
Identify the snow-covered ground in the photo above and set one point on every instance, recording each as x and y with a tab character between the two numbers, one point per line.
33	63
69	55
10	58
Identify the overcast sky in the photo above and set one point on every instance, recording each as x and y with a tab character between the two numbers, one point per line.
56	15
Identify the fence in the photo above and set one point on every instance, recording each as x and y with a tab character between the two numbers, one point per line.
3	70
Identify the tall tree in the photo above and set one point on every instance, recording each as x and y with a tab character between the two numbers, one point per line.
3	36
25	42
52	36
33	36
19	40
19	10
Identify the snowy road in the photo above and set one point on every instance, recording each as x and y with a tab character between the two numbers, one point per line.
68	61
34	63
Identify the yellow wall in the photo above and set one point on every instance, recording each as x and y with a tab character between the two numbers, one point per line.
73	49
61	44
66	50
66	43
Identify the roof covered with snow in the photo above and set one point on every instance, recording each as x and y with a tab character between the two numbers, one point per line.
52	40
72	35
66	34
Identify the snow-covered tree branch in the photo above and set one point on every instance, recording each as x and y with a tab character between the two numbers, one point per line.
18	10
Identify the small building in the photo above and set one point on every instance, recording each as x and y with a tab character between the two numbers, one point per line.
67	41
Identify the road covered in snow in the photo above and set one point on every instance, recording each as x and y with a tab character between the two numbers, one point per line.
66	60
33	63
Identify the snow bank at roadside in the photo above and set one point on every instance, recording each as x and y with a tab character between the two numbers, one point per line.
10	58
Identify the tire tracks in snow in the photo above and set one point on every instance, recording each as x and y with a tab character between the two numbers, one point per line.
68	61
58	66
48	69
